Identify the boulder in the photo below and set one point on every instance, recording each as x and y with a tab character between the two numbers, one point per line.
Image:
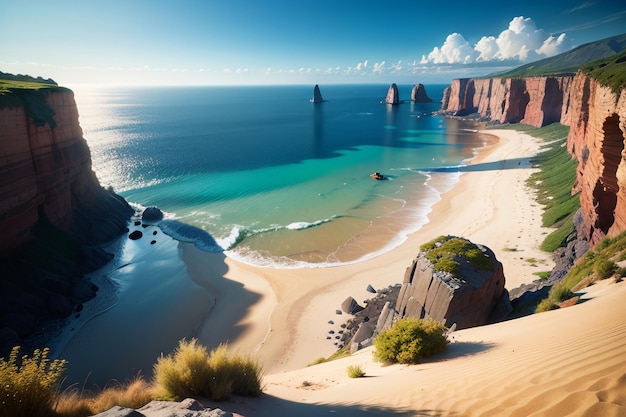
350	306
186	408
135	235
471	297
152	215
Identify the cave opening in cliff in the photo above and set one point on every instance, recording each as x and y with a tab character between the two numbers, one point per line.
605	192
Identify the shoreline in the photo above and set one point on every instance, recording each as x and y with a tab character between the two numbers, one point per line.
283	316
306	299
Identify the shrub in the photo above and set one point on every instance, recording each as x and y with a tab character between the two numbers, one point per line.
355	371
191	371
28	385
410	340
604	268
184	372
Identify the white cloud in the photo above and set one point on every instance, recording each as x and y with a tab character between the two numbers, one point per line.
522	42
455	50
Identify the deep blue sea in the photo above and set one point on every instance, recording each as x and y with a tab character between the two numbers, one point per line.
268	176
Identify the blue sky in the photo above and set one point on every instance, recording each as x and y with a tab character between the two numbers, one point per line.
196	42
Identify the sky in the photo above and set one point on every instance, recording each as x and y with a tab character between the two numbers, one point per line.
242	42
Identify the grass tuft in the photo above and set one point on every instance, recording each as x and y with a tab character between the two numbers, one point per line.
355	371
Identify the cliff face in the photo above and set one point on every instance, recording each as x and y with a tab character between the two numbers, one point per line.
52	210
535	101
596	140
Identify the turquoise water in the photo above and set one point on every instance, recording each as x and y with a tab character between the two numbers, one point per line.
268	176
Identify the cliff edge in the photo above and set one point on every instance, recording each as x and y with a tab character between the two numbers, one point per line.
53	211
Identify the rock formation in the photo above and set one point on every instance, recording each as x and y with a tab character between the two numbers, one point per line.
418	94
186	408
535	101
52	210
596	140
317	95
471	297
392	95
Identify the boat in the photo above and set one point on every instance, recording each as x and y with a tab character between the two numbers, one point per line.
377	176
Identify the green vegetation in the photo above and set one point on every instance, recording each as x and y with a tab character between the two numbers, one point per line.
28	385
553	183
190	371
609	72
409	340
340	353
569	62
597	264
446	251
29	92
355	371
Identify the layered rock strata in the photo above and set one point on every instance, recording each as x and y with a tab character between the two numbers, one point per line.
471	298
535	101
53	211
596	139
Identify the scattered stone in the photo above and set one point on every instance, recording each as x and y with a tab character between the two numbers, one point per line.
152	215
350	306
154	233
135	235
371	289
331	322
152	242
338	312
137	223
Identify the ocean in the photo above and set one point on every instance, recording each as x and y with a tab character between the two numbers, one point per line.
269	177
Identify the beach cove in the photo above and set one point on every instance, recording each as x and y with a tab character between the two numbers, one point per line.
282	315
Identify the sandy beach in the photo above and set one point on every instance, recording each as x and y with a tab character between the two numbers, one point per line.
565	362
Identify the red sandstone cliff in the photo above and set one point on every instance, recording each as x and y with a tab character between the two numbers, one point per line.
535	101
53	211
597	120
596	139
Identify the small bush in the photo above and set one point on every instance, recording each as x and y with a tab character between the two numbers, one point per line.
546	305
184	372
604	268
28	385
355	371
410	340
191	371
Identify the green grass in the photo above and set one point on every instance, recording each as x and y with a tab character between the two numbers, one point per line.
597	264
409	340
609	72
31	95
445	251
553	183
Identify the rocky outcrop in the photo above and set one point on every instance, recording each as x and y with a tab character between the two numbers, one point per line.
392	95
317	95
535	101
418	94
185	408
596	140
53	211
470	298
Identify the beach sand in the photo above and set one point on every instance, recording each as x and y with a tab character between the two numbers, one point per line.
565	362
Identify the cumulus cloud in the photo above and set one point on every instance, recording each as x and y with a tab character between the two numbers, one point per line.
522	41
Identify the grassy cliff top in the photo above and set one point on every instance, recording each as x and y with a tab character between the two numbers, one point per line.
569	62
29	92
609	72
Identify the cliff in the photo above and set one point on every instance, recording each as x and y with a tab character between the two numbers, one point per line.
535	101
53	211
419	95
596	140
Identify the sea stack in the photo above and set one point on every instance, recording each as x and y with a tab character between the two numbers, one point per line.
418	94
317	96
392	95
